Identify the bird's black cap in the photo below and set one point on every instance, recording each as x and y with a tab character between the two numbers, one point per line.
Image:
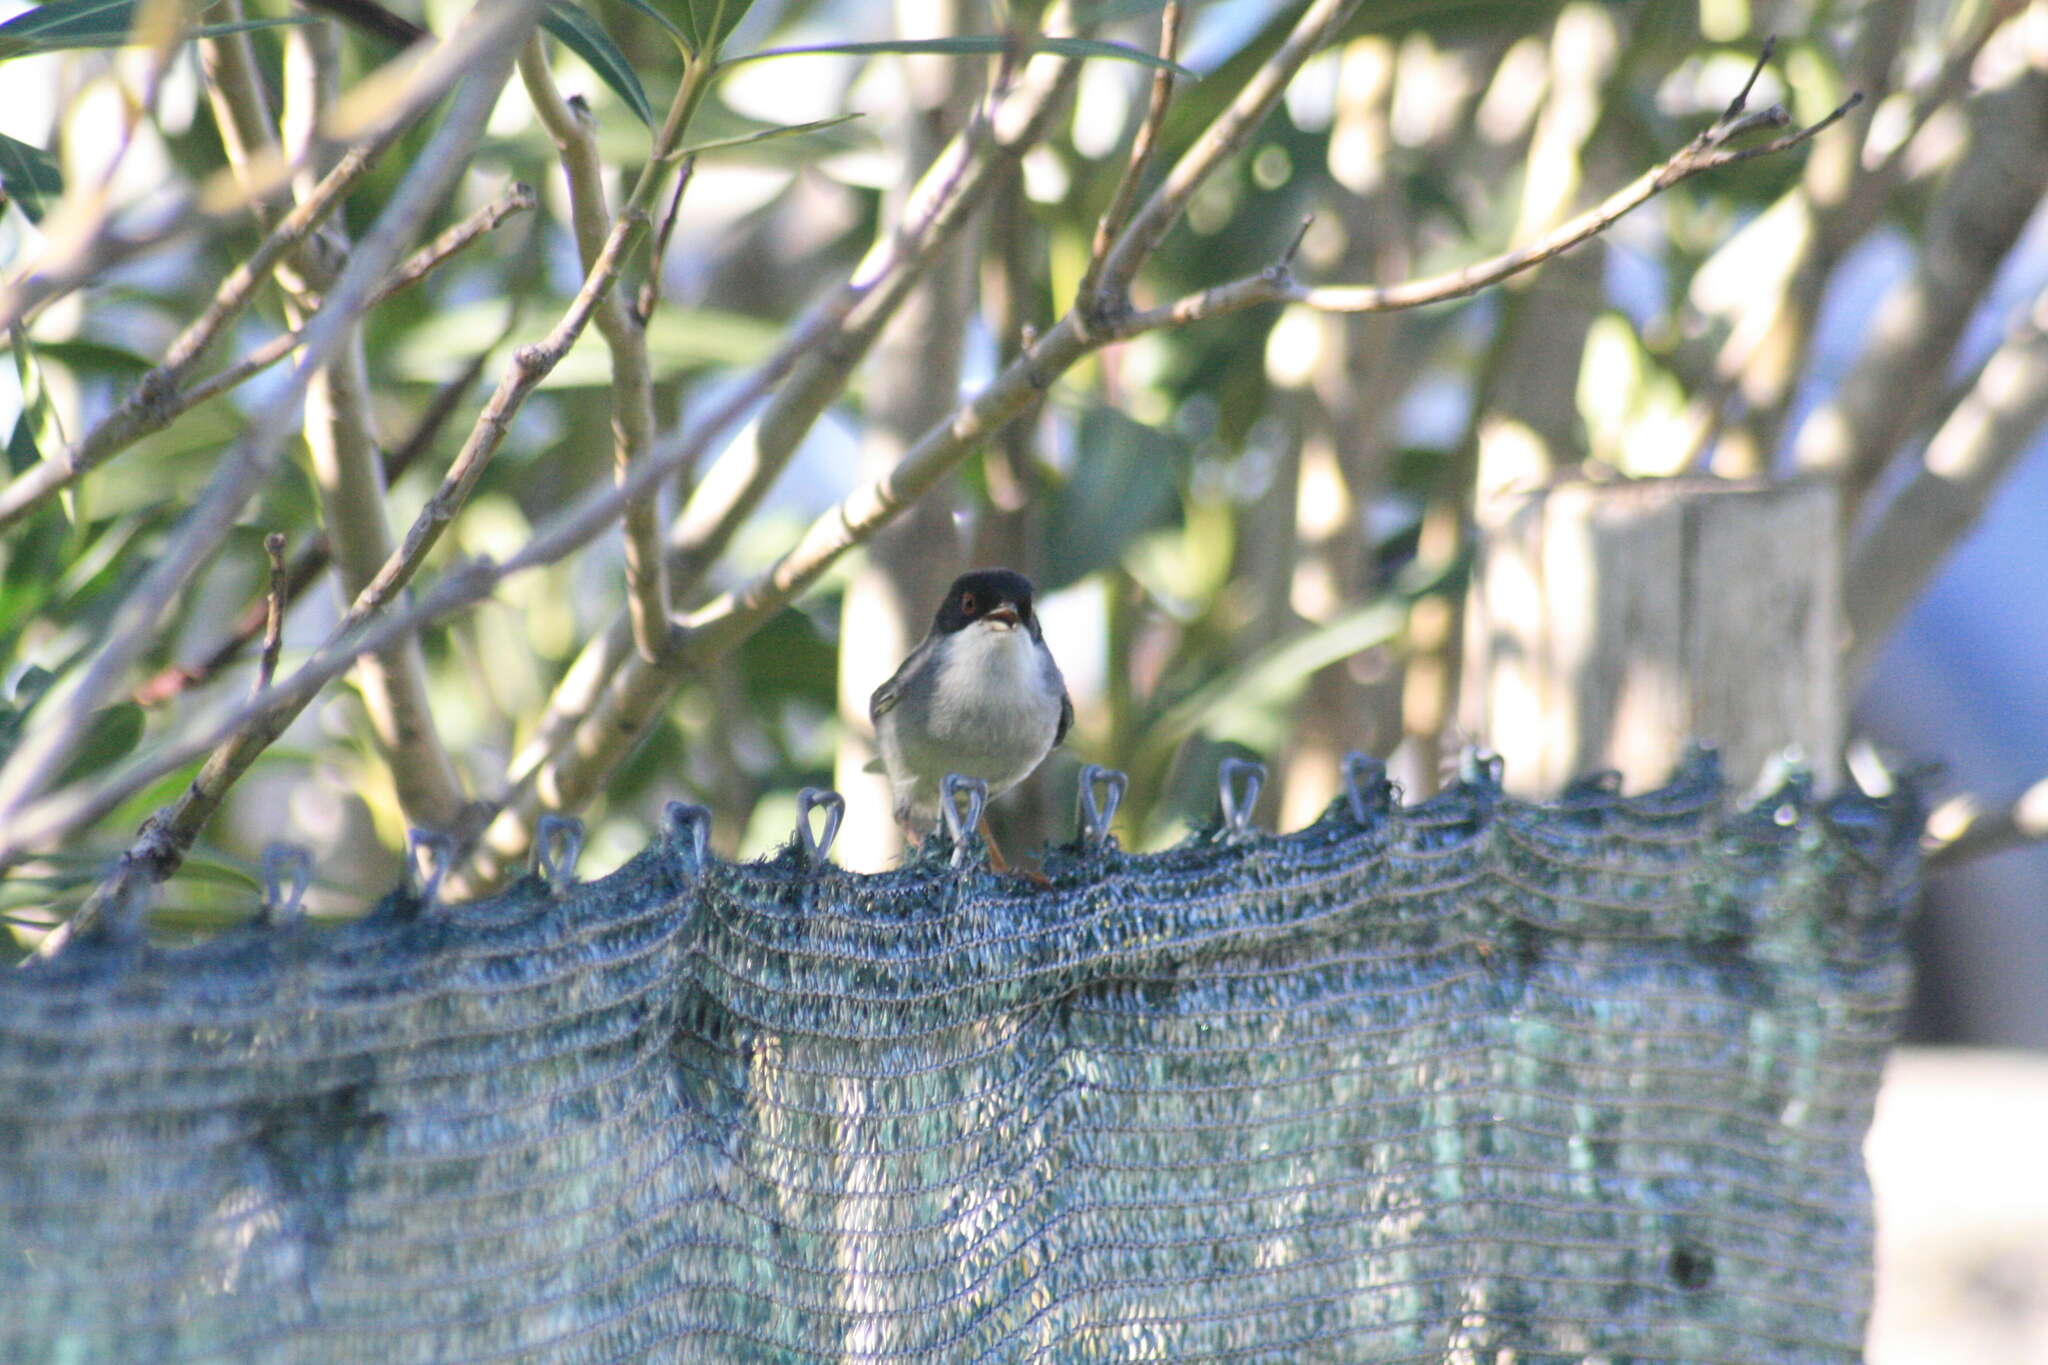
974	595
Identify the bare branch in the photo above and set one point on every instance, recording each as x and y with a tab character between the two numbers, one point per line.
634	694
150	406
842	327
348	476
1091	298
515	199
165	838
463	587
530	365
988	147
273	610
1980	212
250	463
391	101
1276	284
312	559
632	390
1982	439
1961	829
1229	132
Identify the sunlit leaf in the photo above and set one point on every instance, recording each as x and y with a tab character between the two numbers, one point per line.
678	340
111	734
583	36
706	24
653	12
974	44
764	135
63	24
36	431
1124	483
29	175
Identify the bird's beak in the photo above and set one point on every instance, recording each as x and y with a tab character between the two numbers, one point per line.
1004	615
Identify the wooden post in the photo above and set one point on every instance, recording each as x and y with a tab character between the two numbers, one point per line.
1608	624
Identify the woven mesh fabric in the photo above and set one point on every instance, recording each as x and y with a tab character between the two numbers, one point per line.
1458	1082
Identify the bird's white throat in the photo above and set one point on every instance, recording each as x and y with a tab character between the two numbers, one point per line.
989	666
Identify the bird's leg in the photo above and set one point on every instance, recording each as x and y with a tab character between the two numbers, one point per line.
996	861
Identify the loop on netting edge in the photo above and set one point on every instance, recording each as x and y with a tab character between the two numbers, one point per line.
818	847
287	872
1097	814
558	869
428	856
690	826
1481	767
1786	785
960	825
1366	788
1238	783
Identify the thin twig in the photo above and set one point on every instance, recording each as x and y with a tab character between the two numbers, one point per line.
1090	297
165	838
650	288
312	559
273	610
632	388
842	328
249	464
530	365
158	400
461	588
934	212
1317	27
72	259
1277	284
142	411
729	619
1995	424
517	198
1961	829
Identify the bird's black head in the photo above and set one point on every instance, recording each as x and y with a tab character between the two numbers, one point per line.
999	595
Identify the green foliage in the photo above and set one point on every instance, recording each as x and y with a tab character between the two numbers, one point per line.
65	24
29	175
1222	511
585	37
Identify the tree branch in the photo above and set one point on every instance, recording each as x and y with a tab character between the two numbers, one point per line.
155	399
727	620
489	40
625	337
1277	285
845	325
1960	829
1091	297
168	835
1230	130
1979	214
1983	438
348	476
312	560
935	211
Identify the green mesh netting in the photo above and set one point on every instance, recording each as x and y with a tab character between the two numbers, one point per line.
1469	1081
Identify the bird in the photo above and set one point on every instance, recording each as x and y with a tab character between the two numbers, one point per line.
980	696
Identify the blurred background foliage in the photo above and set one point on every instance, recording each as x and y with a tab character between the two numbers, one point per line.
1250	533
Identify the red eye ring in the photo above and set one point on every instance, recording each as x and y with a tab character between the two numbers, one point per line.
967	604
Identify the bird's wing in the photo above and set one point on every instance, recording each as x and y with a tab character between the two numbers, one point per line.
1066	718
889	693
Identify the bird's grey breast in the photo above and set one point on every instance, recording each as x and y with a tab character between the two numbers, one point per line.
988	706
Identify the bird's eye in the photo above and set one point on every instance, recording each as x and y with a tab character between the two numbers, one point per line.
967	604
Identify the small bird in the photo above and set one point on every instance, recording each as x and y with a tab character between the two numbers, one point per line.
980	696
